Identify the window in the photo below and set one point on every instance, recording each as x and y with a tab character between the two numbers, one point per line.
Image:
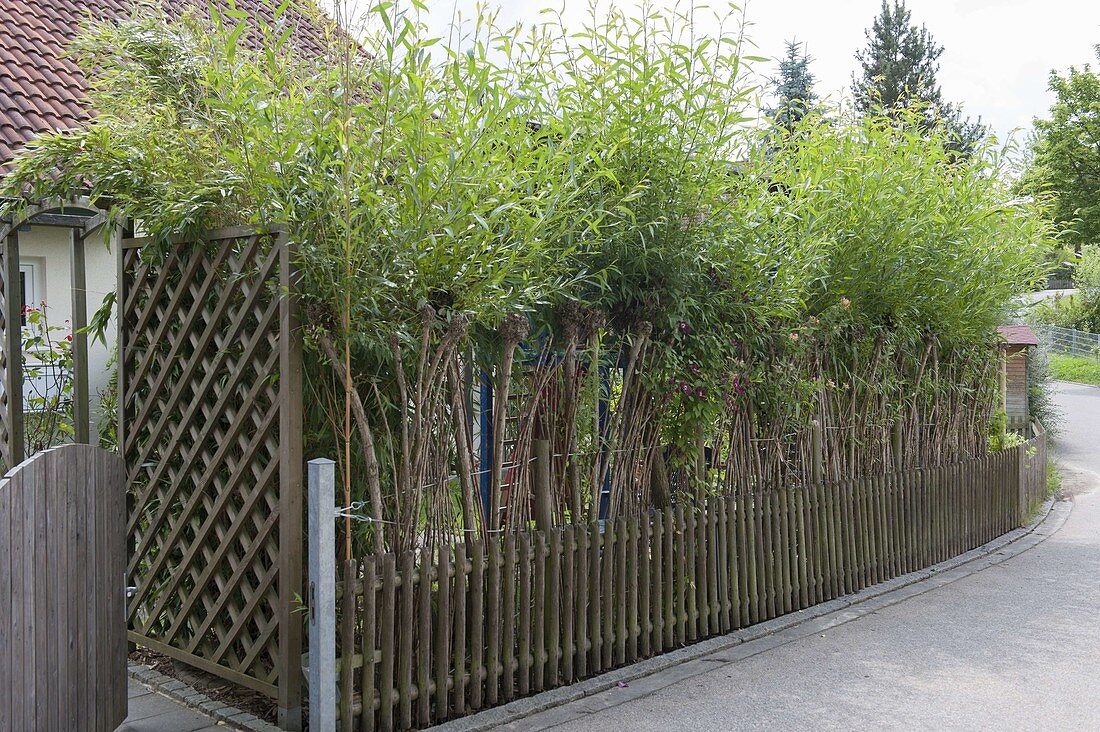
28	279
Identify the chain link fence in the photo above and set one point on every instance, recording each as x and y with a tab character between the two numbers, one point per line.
1069	341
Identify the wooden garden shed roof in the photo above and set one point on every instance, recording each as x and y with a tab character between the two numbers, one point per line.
1018	335
42	90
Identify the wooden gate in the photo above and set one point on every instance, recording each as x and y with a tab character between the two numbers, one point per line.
62	593
209	386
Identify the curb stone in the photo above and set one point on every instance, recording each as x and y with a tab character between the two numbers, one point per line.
704	655
183	694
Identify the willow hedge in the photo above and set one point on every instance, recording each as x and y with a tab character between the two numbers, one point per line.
676	297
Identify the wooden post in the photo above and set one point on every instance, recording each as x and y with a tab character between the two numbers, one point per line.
116	245
1020	475
81	402
121	293
895	444
322	595
544	515
290	493
1002	377
818	453
13	347
700	467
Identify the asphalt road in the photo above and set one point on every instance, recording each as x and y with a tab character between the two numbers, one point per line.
1078	443
1014	646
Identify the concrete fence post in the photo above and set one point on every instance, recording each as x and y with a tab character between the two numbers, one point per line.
322	594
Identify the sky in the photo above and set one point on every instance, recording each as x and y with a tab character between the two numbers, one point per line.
997	57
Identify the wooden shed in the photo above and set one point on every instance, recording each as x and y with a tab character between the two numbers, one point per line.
1016	342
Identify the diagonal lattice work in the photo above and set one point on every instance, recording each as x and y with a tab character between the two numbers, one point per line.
5	428
10	309
210	429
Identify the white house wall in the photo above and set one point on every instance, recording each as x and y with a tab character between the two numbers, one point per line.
48	247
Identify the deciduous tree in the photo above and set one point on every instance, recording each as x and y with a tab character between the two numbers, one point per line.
1066	159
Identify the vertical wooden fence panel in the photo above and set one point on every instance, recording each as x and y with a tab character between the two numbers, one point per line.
62	609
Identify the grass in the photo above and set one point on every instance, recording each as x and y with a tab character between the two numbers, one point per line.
1054	490
1054	479
1075	368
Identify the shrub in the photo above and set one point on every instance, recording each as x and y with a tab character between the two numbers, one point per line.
47	370
564	213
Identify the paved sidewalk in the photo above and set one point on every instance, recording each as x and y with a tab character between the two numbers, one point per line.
154	712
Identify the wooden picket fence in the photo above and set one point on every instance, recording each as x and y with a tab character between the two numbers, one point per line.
429	636
1033	472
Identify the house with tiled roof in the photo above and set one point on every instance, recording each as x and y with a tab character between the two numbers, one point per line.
43	90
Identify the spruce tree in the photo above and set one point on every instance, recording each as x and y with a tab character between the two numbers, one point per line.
794	87
899	64
898	70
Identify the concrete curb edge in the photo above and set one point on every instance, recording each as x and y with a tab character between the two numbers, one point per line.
188	696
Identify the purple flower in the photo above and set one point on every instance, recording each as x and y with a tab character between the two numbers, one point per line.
694	368
683	327
701	393
686	388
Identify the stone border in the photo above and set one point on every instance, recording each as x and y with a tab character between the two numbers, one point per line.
1051	517
180	692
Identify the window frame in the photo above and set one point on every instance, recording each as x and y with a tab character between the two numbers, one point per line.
30	273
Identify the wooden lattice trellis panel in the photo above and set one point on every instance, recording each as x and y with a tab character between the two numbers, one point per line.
210	429
11	376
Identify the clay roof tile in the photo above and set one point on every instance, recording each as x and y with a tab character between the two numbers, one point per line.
41	89
1018	335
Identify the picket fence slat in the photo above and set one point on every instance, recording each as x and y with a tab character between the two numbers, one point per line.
595	625
385	682
581	605
607	578
444	632
525	615
540	602
568	552
346	645
367	683
508	588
